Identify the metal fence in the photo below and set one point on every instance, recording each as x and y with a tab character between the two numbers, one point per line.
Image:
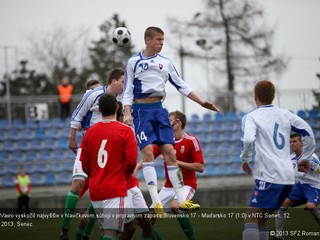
30	107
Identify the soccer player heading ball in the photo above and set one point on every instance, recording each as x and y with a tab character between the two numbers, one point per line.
146	75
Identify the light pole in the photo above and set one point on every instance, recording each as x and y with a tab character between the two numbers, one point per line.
6	78
203	44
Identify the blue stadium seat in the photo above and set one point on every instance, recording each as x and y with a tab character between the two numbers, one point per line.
14	134
240	116
227	158
160	172
57	123
3	135
227	147
212	159
55	167
218	117
223	170
313	113
204	138
194	118
40	133
13	169
236	169
18	124
30	168
207	117
18	157
64	177
41	168
31	124
209	170
53	133
65	132
58	154
44	124
45	155
31	156
236	158
37	179
49	143
28	134
70	155
8	181
301	113
4	124
36	144
231	117
9	146
139	175
68	166
23	145
3	169
4	157
50	179
62	144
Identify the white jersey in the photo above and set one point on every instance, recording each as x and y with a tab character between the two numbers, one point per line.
311	178
87	112
266	132
146	77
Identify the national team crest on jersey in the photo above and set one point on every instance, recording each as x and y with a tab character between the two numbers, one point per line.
160	66
182	149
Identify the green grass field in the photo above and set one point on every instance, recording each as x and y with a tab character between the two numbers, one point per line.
216	223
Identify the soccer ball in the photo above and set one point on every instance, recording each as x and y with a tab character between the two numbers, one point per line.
121	37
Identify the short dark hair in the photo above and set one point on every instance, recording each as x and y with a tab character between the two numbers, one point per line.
181	116
115	73
150	31
119	112
91	83
294	134
264	91
108	104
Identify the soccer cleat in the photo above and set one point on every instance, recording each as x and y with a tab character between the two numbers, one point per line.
158	209
188	205
85	237
64	234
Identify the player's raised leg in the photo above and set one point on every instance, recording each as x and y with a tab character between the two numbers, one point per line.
175	176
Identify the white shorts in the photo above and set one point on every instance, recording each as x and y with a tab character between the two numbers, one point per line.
110	213
78	173
136	204
167	195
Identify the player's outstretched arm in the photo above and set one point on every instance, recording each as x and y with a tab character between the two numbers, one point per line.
204	103
127	115
72	141
246	168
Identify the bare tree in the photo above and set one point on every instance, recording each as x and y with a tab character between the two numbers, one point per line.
241	39
58	48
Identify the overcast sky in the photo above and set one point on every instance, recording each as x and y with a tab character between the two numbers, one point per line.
297	27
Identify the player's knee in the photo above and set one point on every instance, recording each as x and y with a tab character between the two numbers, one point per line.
175	207
310	206
170	157
77	185
147	154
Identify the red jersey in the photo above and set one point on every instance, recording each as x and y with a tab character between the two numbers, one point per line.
108	154
187	150
132	182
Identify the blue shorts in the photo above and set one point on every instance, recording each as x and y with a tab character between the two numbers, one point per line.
151	124
268	195
304	193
